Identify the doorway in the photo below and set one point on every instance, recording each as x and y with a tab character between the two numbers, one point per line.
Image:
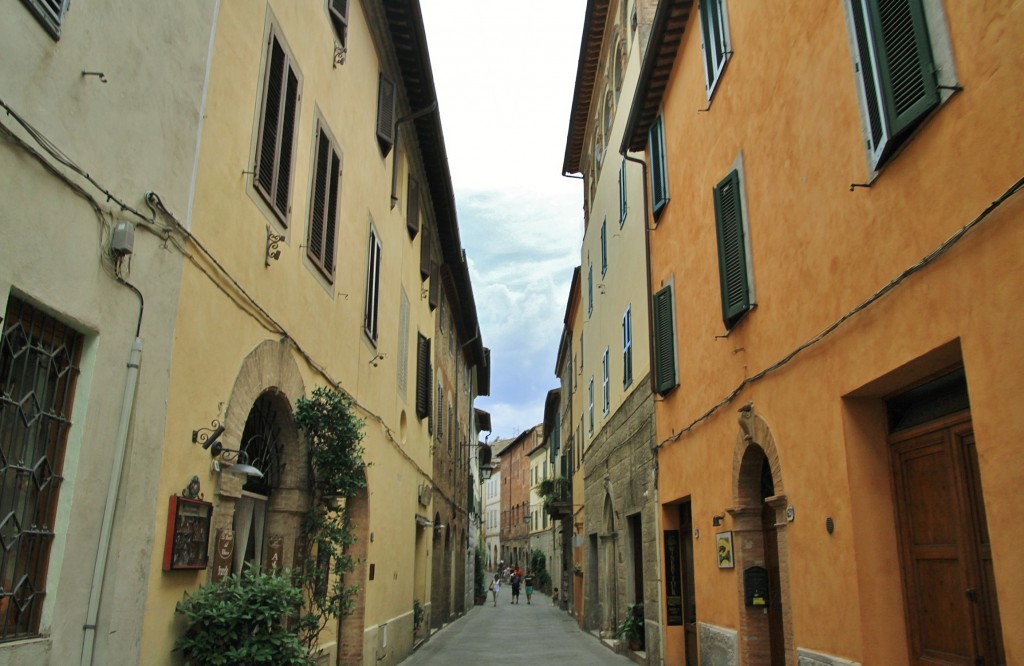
949	587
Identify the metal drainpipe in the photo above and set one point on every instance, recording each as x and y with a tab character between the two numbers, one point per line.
121	445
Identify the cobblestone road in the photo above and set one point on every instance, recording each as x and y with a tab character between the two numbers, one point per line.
537	634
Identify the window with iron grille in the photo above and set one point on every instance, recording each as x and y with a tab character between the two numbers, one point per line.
275	150
372	286
323	205
39	360
49	13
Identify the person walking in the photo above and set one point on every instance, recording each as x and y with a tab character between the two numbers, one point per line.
514	580
496	587
528	582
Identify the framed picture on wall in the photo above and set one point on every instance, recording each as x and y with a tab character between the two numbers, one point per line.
723	543
188	534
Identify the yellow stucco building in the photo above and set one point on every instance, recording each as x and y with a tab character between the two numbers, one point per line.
835	251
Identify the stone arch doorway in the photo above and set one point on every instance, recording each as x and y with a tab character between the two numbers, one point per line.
609	596
761	543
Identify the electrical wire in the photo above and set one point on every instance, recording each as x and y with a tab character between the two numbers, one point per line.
925	261
245	301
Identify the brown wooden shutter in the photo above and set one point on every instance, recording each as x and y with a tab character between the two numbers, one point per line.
412	219
385	112
424	382
318	207
425	254
434	293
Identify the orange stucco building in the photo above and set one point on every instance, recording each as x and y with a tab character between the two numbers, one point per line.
836	261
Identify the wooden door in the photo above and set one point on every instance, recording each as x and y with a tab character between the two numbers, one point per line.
952	610
776	638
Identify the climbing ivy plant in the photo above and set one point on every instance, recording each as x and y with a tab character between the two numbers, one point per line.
334	434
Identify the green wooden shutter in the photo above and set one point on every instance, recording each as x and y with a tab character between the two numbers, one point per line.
659	177
664	342
732	254
897	70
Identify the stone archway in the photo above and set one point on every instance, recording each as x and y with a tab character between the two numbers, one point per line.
760	500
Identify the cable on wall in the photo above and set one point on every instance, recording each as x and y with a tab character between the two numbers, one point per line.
925	261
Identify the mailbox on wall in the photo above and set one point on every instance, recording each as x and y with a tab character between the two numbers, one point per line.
755	586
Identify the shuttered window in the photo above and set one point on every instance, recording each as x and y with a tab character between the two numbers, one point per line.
627	347
732	249
412	212
338	11
323	206
49	13
605	374
659	173
664	341
590	290
425	254
385	112
715	41
274	153
622	193
370	314
434	289
424	381
895	69
590	409
604	247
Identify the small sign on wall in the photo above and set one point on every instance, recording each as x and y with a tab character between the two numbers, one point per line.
223	554
723	540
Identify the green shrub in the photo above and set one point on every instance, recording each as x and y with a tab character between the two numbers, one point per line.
242	620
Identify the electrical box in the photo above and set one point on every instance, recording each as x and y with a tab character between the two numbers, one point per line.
122	240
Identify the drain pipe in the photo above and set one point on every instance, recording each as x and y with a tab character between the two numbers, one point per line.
121	445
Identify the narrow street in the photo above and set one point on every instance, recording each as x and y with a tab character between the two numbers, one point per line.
536	633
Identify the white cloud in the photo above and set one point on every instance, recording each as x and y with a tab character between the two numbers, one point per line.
505	74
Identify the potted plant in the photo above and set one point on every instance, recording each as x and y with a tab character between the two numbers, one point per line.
632	627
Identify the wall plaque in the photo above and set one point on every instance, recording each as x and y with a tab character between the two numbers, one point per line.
223	554
188	534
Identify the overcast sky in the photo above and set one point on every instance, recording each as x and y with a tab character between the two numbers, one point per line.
504	74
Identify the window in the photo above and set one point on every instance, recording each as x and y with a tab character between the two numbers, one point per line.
412	212
323	205
664	341
49	13
38	368
591	405
659	173
622	193
385	113
274	152
732	250
403	345
440	412
338	11
627	347
895	70
423	379
604	247
605	372
715	41
590	290
372	286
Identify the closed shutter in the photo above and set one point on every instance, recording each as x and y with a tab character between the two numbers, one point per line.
434	290
425	255
385	112
412	219
732	253
664	341
323	216
424	382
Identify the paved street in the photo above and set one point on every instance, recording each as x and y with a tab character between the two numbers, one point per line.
538	633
